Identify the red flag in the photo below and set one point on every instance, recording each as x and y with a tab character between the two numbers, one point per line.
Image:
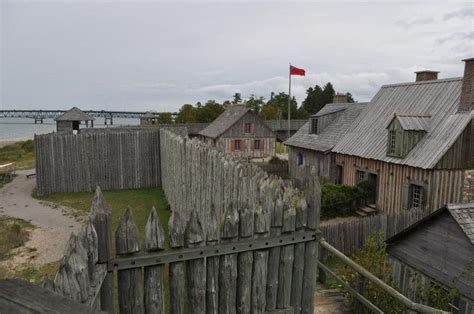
297	71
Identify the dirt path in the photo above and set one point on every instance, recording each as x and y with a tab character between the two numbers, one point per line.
53	223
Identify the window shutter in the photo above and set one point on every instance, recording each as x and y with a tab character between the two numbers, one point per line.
406	196
262	141
253	127
232	145
398	141
242	144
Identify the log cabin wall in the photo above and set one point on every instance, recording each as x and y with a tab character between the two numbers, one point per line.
441	186
299	173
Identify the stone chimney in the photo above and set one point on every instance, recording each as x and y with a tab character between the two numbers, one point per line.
426	75
467	91
339	98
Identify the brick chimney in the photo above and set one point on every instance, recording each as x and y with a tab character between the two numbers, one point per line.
426	75
339	98
467	91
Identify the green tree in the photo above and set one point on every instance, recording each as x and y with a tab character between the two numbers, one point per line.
350	98
317	97
165	118
209	112
255	103
269	112
187	114
237	99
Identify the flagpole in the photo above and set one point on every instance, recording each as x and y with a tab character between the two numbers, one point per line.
289	98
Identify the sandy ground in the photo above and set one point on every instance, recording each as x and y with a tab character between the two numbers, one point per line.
6	143
54	224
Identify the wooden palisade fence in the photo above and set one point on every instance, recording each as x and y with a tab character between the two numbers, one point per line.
348	237
240	241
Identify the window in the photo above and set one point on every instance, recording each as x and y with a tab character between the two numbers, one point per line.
360	176
300	159
392	142
237	144
339	172
416	196
314	126
256	145
248	127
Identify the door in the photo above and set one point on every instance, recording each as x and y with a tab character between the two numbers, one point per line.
372	198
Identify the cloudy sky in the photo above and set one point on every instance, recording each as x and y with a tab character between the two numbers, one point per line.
140	55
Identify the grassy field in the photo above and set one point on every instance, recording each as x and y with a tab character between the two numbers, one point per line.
140	201
22	153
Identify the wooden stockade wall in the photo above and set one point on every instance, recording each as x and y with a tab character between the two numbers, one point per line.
252	248
349	237
124	158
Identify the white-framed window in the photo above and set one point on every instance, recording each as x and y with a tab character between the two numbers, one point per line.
416	196
392	142
300	159
360	176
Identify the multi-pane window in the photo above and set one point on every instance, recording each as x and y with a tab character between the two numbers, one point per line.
248	127
314	126
256	145
300	159
416	196
237	145
392	142
360	176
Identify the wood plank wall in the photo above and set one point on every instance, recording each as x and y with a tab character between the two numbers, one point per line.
110	158
443	186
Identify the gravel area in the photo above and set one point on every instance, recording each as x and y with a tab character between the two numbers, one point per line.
54	224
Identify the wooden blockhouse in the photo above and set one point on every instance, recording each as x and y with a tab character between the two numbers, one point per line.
437	249
149	118
240	132
71	120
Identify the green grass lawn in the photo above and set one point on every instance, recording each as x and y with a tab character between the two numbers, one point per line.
140	201
21	153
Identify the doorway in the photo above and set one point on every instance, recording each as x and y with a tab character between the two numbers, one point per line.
372	197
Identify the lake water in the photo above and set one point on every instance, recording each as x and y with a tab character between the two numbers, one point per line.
18	129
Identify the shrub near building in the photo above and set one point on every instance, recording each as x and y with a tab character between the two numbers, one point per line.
341	200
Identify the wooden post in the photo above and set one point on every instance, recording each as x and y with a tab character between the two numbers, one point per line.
212	269
287	251
228	264
311	248
195	269
130	280
176	275
154	275
245	260
298	265
102	220
361	285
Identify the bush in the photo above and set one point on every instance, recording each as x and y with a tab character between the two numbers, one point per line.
28	146
277	161
340	200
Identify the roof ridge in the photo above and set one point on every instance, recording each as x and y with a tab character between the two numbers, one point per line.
423	82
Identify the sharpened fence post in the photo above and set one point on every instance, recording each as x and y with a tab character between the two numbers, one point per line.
102	220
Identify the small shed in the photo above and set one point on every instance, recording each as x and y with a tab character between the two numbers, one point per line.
72	119
437	249
149	118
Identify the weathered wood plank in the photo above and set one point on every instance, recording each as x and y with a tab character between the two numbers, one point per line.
195	269
176	272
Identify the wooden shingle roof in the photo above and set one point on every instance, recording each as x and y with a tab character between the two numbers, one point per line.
367	137
331	134
225	121
74	114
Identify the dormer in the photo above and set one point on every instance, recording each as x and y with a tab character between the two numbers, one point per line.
404	132
313	125
324	117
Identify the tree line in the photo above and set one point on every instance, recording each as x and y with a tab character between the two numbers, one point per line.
276	108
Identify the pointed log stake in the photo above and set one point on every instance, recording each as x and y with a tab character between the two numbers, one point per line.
245	260
65	281
129	281
154	275
311	248
298	265
176	273
212	269
101	216
228	264
195	269
260	259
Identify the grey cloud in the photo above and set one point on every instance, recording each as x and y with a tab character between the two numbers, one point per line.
464	13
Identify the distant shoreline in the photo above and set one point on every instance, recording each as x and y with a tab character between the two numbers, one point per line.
4	143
